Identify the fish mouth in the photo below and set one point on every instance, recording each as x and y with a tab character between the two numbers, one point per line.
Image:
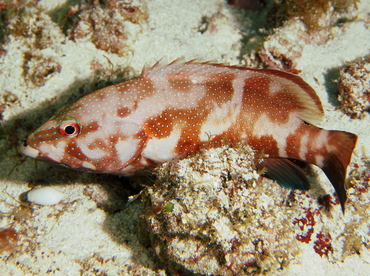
26	149
48	155
29	151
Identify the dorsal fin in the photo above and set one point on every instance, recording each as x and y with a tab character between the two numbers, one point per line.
179	69
311	110
309	105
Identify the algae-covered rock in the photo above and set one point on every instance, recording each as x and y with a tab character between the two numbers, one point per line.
214	214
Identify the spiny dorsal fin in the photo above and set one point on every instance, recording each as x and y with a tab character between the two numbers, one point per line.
181	69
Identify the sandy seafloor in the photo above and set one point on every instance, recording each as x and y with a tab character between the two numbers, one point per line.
92	232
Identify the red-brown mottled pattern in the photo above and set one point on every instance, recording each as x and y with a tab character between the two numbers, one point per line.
123	112
264	144
173	110
160	126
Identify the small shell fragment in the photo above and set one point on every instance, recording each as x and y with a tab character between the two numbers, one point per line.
42	195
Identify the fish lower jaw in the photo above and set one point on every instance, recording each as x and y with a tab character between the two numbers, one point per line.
31	152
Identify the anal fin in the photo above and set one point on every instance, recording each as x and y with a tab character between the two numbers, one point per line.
285	172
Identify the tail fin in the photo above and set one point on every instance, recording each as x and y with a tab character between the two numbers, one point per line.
341	145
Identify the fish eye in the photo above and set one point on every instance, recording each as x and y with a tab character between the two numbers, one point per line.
69	129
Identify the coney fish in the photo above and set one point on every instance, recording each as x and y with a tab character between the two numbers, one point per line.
173	110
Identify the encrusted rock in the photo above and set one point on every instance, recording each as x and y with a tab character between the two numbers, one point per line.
214	214
354	89
112	27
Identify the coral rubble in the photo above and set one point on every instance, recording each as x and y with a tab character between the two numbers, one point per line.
213	214
354	89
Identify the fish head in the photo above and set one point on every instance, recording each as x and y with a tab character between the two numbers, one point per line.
87	141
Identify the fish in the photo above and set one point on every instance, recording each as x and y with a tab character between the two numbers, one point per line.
175	109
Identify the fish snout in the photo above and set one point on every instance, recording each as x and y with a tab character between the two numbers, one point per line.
28	150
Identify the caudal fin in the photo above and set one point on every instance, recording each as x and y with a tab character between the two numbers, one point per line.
341	145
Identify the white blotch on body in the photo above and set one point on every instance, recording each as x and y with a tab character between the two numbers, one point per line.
279	131
319	160
94	153
274	88
218	121
88	165
53	151
322	140
303	146
162	150
127	149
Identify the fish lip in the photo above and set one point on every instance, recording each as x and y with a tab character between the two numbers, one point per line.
35	153
29	151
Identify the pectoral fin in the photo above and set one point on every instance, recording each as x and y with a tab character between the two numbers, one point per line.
285	172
